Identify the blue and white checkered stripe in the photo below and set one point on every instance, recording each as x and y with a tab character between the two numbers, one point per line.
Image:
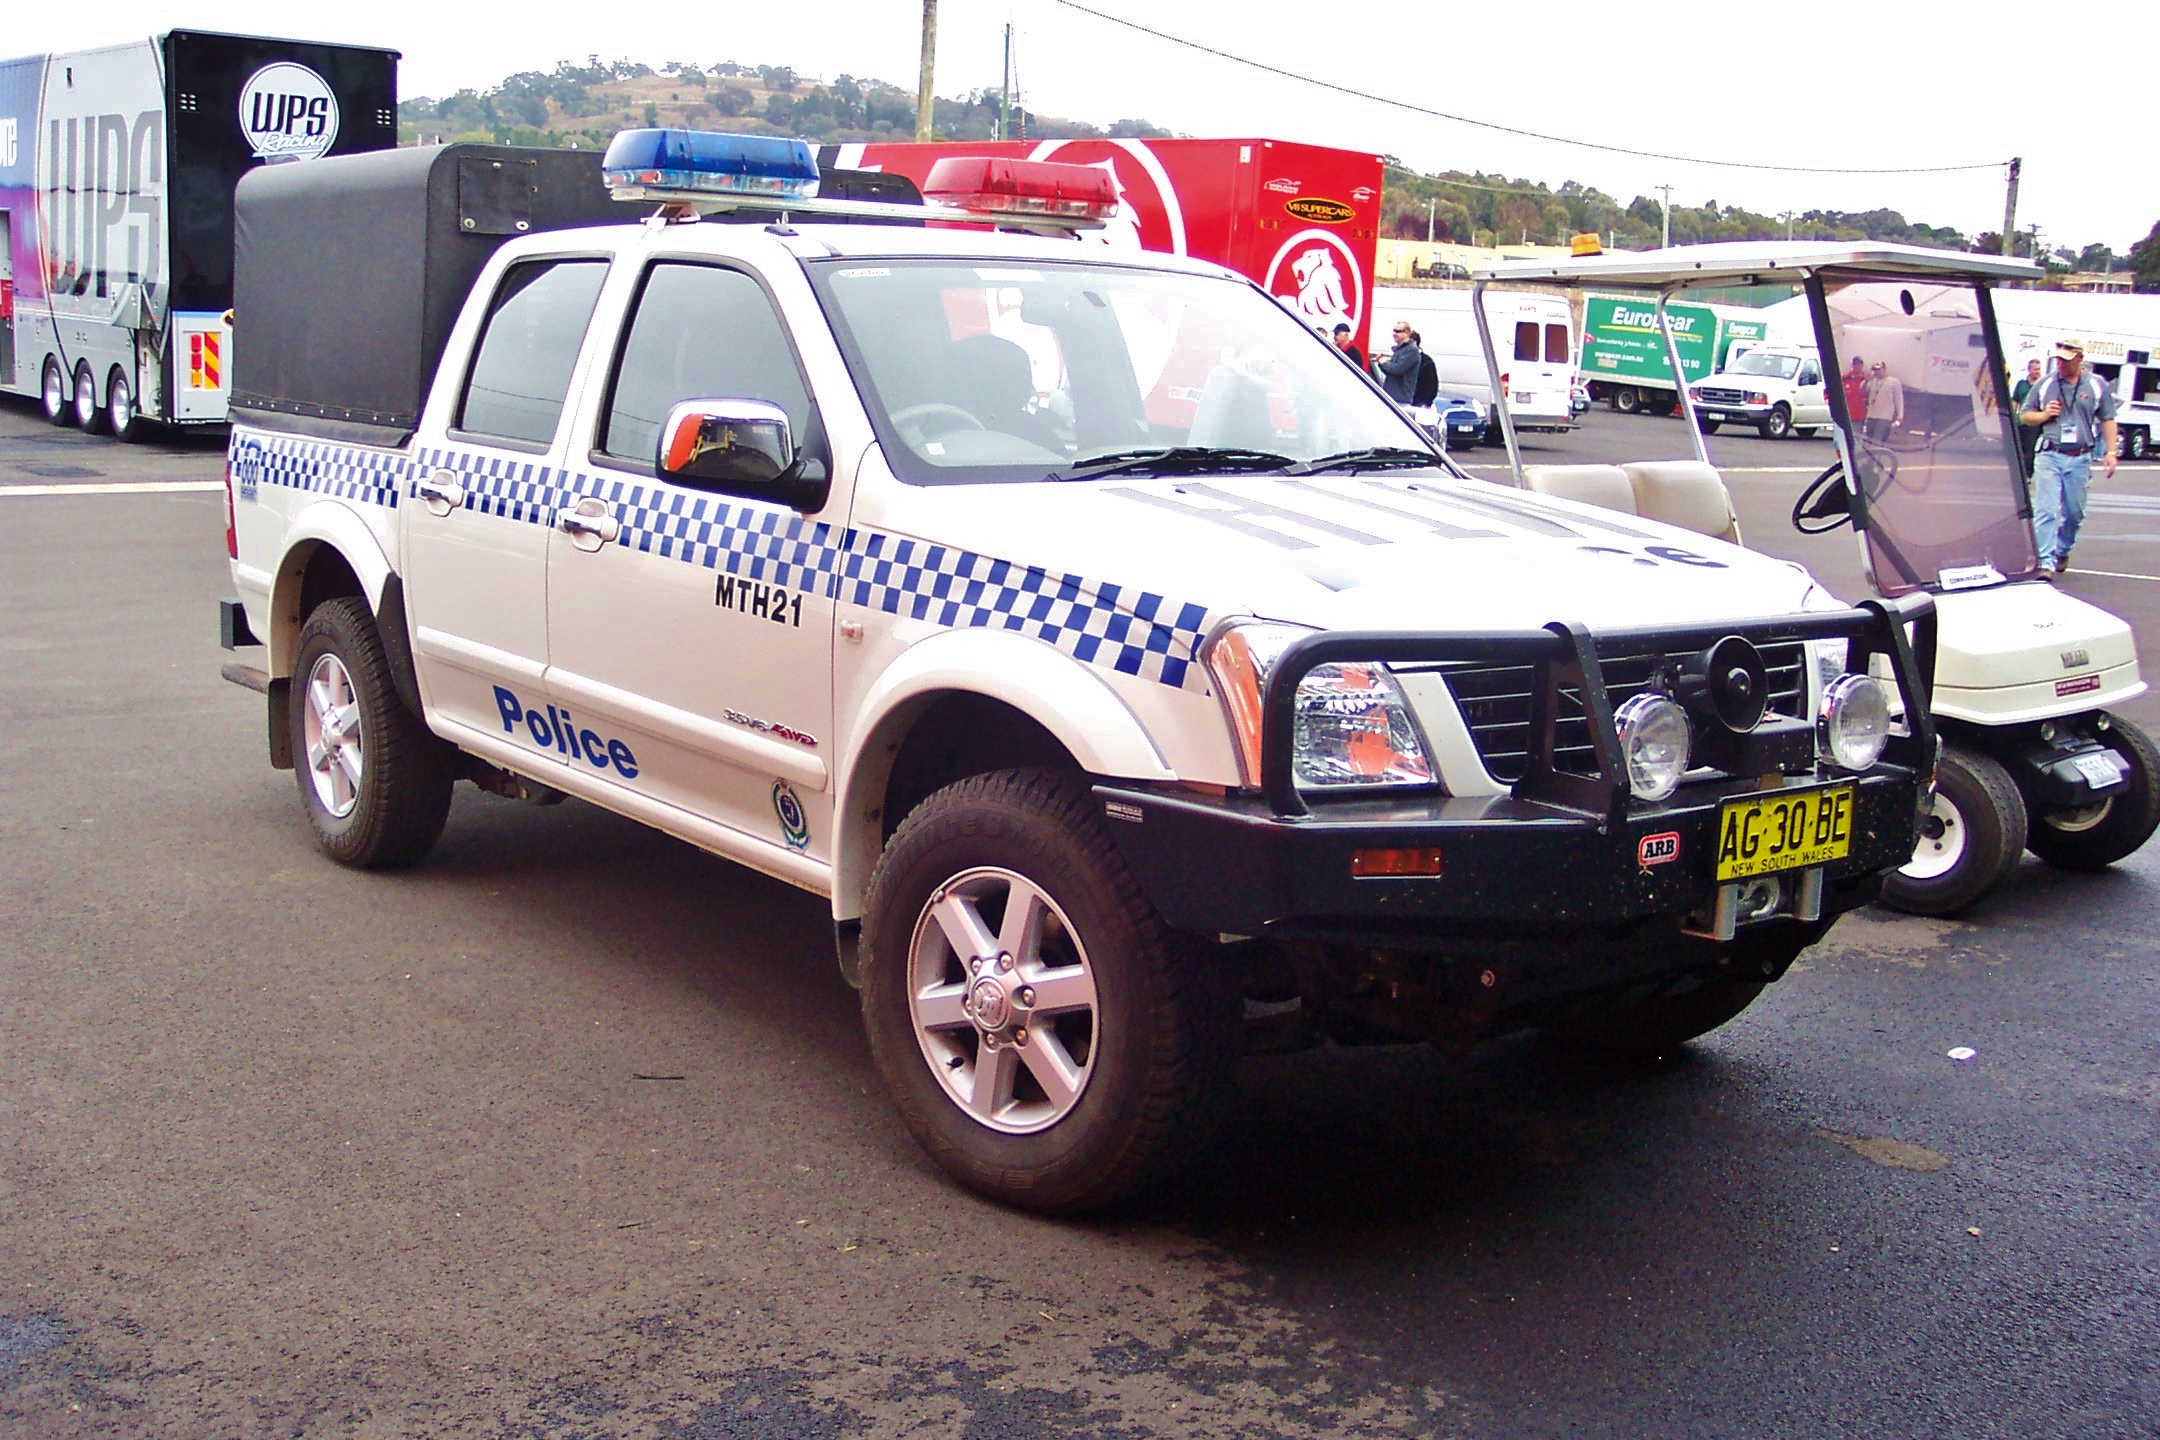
1131	632
343	472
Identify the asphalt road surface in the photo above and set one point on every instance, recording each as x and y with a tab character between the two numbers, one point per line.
571	1132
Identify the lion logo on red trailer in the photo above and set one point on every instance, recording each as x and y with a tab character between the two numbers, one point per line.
1149	216
1317	274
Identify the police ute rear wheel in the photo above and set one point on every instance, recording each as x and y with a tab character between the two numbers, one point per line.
1777	425
2097	837
375	784
1044	1036
53	394
86	406
1645	1029
120	408
1971	837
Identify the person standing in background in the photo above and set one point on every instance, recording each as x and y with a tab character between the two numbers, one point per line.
1399	371
1855	380
1348	346
2026	434
2073	413
1885	407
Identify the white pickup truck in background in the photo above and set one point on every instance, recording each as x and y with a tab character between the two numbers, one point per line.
1778	389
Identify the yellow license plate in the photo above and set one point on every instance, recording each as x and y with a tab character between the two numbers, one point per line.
1784	830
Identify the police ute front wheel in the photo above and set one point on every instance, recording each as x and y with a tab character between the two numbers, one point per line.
2097	836
375	784
1044	1036
1971	837
53	394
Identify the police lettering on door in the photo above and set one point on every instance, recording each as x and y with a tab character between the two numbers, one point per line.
555	730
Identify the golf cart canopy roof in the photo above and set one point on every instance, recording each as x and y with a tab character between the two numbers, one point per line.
1748	262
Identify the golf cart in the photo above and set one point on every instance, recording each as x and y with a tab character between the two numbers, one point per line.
2032	757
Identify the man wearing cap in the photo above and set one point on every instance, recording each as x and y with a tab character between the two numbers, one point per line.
2074	413
1399	368
1348	346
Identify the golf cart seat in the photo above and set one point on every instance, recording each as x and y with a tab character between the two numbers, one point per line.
1685	493
1605	486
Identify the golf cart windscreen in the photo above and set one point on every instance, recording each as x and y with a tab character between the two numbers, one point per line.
988	371
1931	436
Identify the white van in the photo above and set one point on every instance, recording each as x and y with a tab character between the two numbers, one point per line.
1533	335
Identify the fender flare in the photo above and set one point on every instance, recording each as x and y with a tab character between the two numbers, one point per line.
1066	697
324	523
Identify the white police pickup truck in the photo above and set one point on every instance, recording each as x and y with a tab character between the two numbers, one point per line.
1131	674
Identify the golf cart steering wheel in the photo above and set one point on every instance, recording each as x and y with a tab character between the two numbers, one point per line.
1825	504
907	419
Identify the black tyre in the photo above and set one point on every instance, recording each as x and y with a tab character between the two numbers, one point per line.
1970	840
1647	1028
1073	1056
120	419
374	782
2095	839
1626	399
2135	443
87	410
1708	427
1662	404
53	395
1777	425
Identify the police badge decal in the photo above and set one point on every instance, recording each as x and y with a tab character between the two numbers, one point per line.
794	825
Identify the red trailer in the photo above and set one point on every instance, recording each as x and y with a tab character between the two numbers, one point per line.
1302	220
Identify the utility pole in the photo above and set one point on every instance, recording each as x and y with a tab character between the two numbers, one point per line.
1429	220
925	100
1788	224
1666	243
2009	231
1005	102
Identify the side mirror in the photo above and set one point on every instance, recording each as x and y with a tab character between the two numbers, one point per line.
740	447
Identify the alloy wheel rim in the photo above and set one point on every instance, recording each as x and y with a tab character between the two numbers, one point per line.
55	391
1003	1000
120	406
331	732
1942	842
86	406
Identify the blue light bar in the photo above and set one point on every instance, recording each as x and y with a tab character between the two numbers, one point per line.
644	162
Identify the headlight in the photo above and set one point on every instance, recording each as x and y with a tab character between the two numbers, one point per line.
1654	741
1855	721
1351	724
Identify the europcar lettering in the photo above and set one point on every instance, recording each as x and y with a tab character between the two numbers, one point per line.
556	730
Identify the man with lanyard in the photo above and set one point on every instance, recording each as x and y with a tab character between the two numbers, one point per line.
2074	411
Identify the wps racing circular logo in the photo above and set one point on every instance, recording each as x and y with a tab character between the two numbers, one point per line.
1316	275
287	112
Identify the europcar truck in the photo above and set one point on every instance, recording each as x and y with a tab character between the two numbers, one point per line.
117	169
1301	220
1623	355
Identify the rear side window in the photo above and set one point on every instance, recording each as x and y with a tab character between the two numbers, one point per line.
521	372
1526	340
700	333
1556	344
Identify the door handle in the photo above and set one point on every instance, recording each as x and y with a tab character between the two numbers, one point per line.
441	492
589	526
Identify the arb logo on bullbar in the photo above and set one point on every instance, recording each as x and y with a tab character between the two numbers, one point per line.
288	112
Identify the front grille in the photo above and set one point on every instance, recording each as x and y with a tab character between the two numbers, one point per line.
1495	703
1722	397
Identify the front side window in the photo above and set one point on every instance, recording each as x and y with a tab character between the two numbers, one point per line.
700	333
996	371
1556	344
520	373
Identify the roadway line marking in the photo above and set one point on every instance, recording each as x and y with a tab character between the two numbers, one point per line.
118	487
2114	574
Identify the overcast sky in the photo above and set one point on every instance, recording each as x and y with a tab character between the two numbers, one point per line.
1894	83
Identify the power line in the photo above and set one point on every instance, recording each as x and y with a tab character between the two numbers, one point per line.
1510	129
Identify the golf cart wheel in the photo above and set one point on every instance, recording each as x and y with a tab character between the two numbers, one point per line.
2098	836
1044	1036
1971	837
87	410
1778	425
1626	399
53	394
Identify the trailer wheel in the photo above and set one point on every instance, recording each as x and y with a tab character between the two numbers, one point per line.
1970	839
53	394
1779	425
120	407
1626	399
2097	837
86	406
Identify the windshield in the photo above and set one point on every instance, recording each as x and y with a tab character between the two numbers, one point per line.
1938	468
981	371
1762	362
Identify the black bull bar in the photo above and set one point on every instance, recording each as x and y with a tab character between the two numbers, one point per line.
1566	656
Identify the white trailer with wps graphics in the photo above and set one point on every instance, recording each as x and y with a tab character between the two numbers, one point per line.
117	168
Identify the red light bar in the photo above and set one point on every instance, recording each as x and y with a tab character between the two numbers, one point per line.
992	186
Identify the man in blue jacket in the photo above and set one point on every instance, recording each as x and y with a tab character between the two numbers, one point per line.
1399	370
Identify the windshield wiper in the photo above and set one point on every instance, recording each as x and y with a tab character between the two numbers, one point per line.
1377	457
1173	460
